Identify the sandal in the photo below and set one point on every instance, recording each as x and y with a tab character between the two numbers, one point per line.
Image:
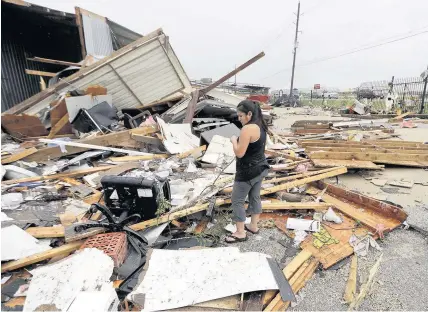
251	231
235	239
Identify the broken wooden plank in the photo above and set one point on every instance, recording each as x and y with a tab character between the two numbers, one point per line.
351	284
367	202
46	232
91	146
288	271
370	156
139	157
71	174
39	73
299	182
291	206
64	249
58	111
146	139
120	138
18	156
365	150
197	151
58	126
352	164
50	61
23	125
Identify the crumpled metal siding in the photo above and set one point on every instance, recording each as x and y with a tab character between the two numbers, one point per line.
16	85
97	36
151	71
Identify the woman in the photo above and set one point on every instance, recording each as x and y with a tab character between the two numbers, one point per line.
251	169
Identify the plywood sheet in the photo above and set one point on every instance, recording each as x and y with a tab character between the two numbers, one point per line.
199	276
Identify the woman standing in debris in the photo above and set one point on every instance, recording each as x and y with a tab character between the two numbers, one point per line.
251	169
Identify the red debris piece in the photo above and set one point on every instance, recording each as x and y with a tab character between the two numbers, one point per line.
114	245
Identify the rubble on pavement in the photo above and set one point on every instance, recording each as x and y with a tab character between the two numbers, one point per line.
146	188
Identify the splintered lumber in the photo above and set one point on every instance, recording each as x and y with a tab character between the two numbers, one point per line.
146	139
64	249
285	186
387	144
18	156
367	286
58	126
58	175
39	73
195	151
381	209
287	178
381	150
291	206
91	146
120	138
351	284
370	156
288	271
139	157
352	164
172	216
46	232
297	282
50	61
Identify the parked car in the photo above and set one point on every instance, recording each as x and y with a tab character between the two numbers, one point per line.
331	95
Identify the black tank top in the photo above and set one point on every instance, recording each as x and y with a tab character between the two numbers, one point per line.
254	162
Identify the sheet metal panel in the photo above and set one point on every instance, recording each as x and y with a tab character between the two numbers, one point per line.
97	36
147	70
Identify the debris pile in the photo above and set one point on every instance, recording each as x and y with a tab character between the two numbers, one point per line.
121	209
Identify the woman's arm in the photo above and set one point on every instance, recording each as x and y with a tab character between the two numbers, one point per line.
244	140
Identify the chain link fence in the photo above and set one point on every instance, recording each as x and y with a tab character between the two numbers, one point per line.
409	94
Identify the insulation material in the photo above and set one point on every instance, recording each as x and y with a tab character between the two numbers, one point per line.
17	244
178	138
104	299
59	284
220	152
199	276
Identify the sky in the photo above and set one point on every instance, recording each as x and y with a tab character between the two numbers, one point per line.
212	37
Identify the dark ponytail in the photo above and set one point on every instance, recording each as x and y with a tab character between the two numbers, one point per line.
247	106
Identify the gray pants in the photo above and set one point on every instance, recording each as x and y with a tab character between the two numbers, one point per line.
240	192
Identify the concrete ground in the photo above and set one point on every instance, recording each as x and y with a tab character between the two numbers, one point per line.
402	279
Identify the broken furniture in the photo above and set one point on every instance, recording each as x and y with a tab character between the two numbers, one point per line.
129	195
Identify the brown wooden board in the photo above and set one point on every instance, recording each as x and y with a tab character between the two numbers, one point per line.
23	126
356	164
370	156
58	111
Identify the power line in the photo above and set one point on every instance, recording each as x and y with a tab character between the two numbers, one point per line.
348	53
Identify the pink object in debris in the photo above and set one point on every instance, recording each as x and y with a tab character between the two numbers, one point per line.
408	124
302	167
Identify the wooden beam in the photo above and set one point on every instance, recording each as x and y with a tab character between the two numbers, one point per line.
299	182
111	139
46	232
64	249
50	61
58	126
18	156
374	157
139	157
146	139
39	73
360	164
79	24
196	151
71	174
233	73
365	150
292	206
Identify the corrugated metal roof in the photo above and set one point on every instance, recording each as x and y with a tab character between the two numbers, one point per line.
149	68
97	35
121	36
16	85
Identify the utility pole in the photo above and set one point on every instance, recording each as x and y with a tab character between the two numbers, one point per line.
295	50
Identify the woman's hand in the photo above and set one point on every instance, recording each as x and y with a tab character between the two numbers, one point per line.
234	139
